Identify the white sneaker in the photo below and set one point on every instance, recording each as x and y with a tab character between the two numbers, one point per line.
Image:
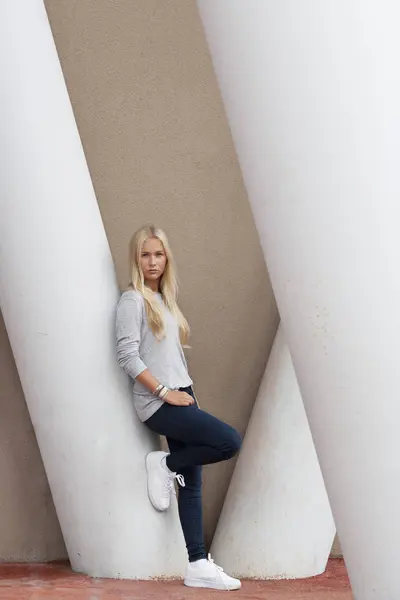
205	573
160	480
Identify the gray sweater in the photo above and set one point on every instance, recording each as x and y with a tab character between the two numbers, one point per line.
138	349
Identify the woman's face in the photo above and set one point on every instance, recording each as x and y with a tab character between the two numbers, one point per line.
153	261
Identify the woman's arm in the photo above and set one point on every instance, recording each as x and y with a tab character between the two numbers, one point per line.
176	398
128	325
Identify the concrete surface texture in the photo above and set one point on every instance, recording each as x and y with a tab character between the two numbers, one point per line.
317	164
51	582
28	522
276	521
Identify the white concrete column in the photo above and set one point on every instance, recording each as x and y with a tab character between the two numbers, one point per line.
276	522
312	93
58	294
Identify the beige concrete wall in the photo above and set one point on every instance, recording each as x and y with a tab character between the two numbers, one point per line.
336	548
159	149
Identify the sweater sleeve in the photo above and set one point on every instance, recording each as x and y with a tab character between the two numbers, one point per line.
128	325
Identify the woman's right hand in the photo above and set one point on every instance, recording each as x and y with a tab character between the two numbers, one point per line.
177	398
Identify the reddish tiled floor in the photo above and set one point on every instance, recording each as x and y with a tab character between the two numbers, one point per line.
57	582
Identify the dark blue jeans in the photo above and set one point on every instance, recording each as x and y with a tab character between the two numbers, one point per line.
195	438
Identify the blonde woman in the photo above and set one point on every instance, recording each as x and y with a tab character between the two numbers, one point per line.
151	331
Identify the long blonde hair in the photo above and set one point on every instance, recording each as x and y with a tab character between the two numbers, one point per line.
168	283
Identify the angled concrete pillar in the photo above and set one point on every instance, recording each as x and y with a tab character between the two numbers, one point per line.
312	93
276	521
58	294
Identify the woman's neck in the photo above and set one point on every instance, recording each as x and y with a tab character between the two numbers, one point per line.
153	286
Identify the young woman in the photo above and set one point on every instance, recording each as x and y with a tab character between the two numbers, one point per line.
151	331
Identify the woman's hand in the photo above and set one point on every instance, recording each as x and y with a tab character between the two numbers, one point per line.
177	398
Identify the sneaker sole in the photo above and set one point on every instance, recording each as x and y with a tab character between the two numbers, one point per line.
148	490
212	585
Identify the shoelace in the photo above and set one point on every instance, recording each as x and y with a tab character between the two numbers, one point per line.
169	486
219	570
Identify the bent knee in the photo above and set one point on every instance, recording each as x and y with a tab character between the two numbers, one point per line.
232	444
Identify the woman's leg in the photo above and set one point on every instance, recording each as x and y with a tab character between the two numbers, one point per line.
206	439
195	438
190	507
